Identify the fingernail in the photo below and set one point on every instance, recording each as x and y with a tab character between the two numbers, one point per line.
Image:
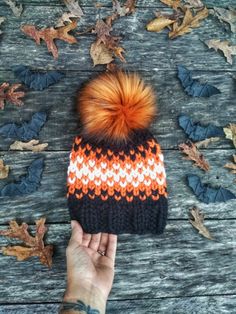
73	223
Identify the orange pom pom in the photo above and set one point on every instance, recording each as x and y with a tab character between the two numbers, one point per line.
113	105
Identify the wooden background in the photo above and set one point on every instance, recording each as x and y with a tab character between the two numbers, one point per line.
177	272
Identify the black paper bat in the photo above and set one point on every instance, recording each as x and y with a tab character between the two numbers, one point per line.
27	130
193	87
196	132
206	193
35	79
28	183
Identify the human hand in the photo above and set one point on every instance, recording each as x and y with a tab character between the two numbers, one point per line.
89	274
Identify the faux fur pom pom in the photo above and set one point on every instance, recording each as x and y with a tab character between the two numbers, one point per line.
114	105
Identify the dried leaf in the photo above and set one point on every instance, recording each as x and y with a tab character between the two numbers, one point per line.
27	130
158	24
102	29
192	86
50	34
2	19
127	8
224	46
32	145
193	154
10	94
206	142
26	184
188	23
206	193
232	165
4	170
230	133
75	11
174	4
34	246
35	79
227	16
17	10
100	54
197	4
196	131
197	222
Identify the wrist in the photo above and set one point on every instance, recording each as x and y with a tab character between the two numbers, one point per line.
88	294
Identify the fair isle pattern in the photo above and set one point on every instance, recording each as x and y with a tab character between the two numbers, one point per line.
124	175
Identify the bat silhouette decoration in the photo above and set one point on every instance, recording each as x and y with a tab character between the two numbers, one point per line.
35	79
206	193
26	184
197	132
27	130
192	86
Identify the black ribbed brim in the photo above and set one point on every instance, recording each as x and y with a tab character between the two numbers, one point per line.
118	217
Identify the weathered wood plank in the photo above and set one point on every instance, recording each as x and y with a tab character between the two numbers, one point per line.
140	3
209	304
178	263
50	199
145	50
60	103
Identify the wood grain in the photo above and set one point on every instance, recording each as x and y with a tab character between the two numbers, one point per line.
146	266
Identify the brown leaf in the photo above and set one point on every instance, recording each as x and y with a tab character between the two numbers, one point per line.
189	22
230	133
31	145
50	34
9	93
17	10
226	15
100	54
232	165
224	46
127	8
193	154
34	245
197	220
174	4
102	29
4	170
75	11
206	142
158	24
194	3
2	19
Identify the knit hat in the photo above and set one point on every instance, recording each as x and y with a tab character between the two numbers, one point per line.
116	179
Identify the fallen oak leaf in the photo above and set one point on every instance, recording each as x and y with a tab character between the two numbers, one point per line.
32	145
197	220
9	93
231	165
193	154
17	10
226	15
206	193
197	4
75	11
127	8
50	34
34	245
230	133
189	22
4	170
227	49
206	142
174	4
